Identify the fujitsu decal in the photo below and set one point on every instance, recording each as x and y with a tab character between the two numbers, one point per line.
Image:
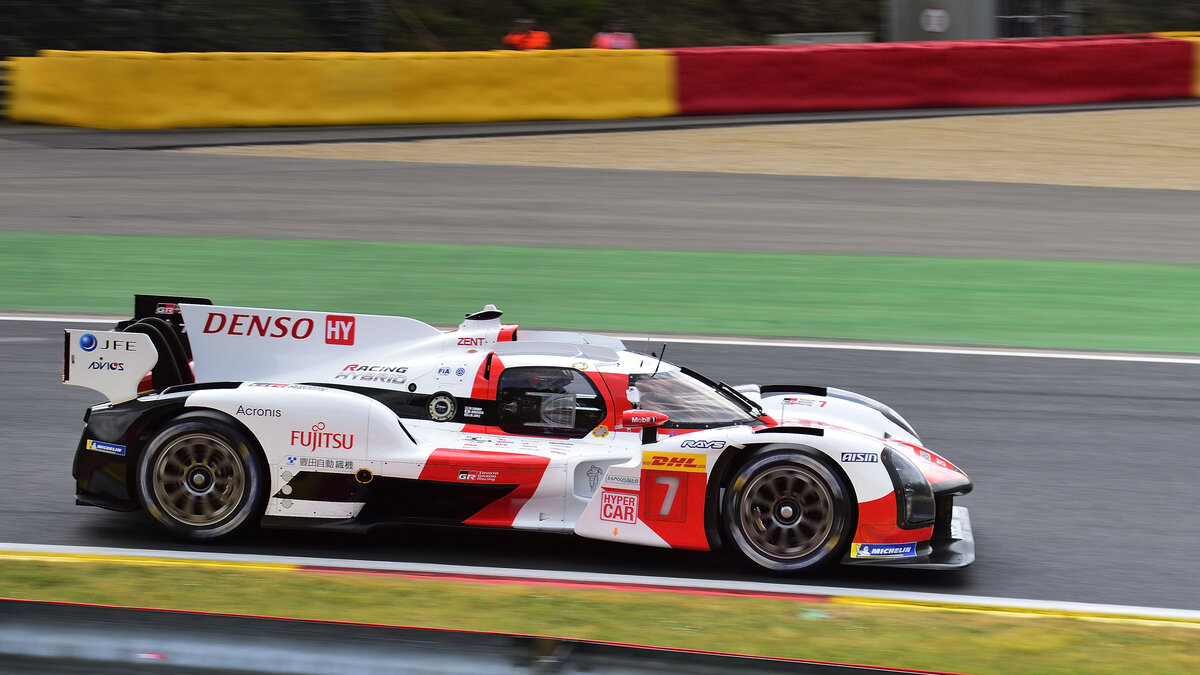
339	330
319	438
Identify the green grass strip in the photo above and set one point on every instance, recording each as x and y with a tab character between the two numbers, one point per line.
897	637
1082	305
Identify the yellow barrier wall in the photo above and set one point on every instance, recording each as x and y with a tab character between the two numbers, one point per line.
145	90
1194	38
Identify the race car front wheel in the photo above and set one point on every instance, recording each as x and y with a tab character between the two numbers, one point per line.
787	511
201	477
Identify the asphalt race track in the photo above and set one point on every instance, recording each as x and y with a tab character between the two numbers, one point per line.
1085	474
1085	470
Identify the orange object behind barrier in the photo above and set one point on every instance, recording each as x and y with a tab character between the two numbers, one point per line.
1194	39
926	74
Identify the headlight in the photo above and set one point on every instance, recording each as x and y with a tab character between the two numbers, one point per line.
915	506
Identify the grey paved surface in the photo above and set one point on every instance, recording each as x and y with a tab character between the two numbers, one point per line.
48	189
1086	471
1085	474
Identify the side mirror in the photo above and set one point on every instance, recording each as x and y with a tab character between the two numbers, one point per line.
646	420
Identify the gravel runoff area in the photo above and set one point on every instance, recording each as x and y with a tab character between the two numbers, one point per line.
1148	148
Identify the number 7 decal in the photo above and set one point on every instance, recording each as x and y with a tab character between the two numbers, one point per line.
664	500
672	483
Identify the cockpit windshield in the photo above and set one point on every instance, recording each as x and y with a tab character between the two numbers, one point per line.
689	402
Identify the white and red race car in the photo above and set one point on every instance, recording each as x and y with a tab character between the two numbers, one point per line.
221	418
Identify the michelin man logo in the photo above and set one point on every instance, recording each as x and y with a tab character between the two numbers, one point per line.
594	475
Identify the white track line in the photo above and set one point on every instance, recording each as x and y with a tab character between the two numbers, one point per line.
970	601
929	349
62	319
1129	357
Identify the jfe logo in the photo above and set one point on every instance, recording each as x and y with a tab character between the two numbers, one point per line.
89	343
339	329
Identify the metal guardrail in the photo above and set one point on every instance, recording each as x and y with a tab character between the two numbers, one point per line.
41	637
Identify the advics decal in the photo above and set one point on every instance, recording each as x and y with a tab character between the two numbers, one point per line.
101	364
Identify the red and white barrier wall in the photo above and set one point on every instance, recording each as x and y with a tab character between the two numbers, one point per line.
146	90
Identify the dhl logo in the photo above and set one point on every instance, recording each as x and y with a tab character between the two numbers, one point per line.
680	462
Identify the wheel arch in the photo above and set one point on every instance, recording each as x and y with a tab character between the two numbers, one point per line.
166	416
242	436
726	468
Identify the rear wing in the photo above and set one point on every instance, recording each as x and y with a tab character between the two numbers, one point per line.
165	308
116	363
110	362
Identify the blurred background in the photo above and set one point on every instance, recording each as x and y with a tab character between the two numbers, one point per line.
434	25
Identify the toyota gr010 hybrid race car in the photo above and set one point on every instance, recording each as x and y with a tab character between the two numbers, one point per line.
221	418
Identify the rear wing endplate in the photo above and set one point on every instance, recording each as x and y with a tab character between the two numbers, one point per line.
110	362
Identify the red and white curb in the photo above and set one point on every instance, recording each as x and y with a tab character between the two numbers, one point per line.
593	580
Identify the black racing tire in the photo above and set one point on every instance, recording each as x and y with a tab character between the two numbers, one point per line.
787	511
202	477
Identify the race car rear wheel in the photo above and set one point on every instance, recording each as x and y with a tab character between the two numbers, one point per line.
201	477
787	511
